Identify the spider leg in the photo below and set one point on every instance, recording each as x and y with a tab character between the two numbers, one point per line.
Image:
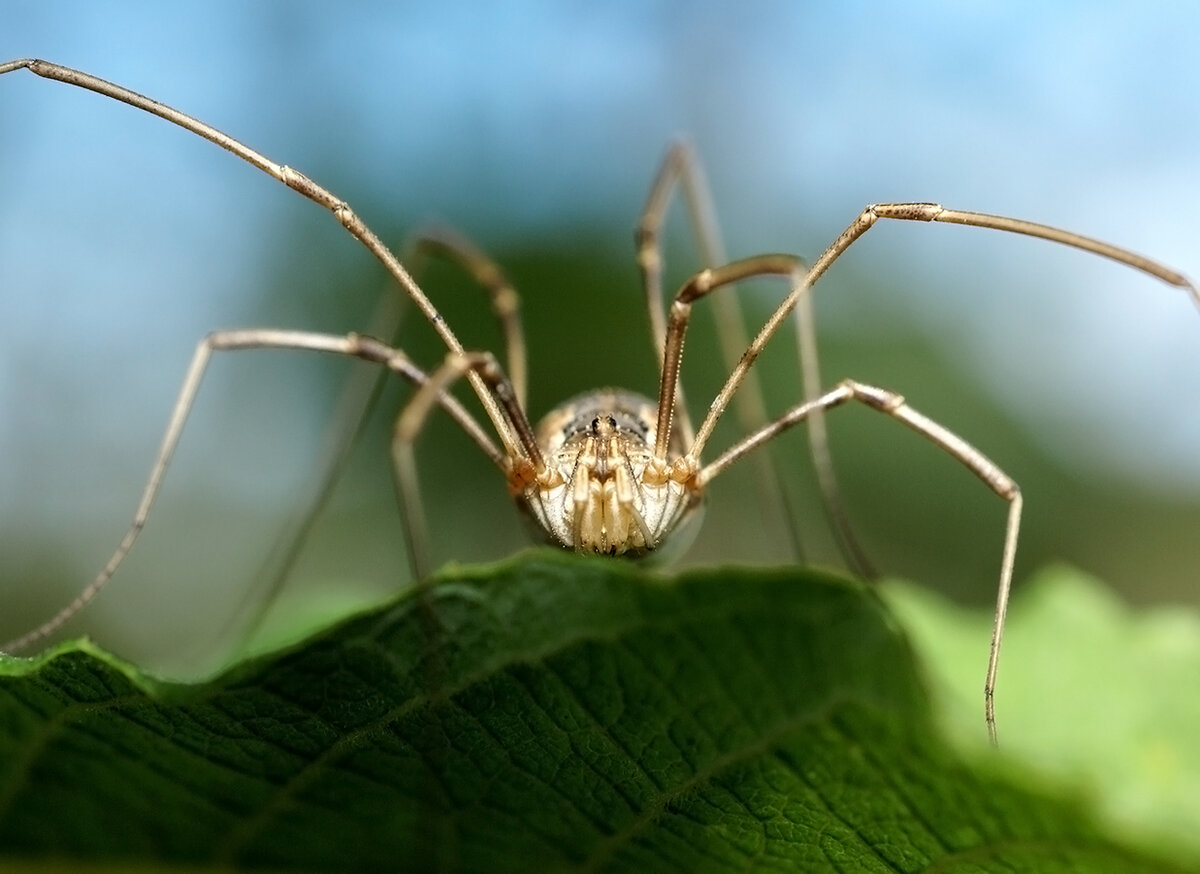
297	182
411	421
506	303
352	345
838	518
681	169
701	285
925	212
894	406
886	401
348	422
935	212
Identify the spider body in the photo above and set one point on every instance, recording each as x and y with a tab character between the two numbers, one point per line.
604	493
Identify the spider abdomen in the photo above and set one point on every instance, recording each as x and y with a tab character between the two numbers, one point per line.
597	499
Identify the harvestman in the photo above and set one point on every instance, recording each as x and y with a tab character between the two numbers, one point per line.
609	472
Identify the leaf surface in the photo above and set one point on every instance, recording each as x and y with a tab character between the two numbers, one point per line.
549	713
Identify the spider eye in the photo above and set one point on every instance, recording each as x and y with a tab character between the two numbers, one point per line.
612	423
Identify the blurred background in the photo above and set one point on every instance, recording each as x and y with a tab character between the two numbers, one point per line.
536	128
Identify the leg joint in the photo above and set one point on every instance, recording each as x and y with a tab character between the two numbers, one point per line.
873	396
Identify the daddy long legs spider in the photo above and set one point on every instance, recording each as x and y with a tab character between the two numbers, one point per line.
610	471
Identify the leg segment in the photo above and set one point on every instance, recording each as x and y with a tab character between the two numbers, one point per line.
971	458
506	303
933	212
925	212
347	424
682	169
294	180
352	345
700	285
831	493
519	469
679	169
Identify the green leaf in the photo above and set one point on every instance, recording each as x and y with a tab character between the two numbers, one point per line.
551	714
1091	695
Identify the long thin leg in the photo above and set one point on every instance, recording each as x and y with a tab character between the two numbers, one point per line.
347	424
294	180
975	461
827	484
682	169
700	285
679	169
925	212
506	303
411	422
353	345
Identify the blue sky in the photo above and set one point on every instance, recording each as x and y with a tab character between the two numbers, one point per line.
122	240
